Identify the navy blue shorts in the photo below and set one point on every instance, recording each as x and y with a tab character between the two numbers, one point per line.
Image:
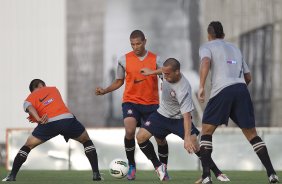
69	128
233	101
138	111
161	126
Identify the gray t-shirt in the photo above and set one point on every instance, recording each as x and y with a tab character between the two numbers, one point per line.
120	74
227	64
176	99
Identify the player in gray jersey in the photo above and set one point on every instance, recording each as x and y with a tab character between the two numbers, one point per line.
229	98
173	116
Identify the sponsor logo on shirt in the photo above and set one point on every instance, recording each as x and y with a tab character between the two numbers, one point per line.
138	81
48	101
231	62
42	99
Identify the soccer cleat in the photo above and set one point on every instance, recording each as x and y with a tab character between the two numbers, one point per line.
273	178
161	171
166	177
97	176
10	178
199	181
207	180
222	177
131	172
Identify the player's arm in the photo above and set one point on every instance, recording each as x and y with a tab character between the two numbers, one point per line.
32	111
188	143
114	86
204	70
248	78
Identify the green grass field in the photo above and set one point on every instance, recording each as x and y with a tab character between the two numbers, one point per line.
144	177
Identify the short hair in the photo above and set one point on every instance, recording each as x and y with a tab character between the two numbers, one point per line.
215	29
137	34
34	84
173	63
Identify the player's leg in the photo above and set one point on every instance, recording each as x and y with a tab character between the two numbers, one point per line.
22	155
91	154
261	150
163	154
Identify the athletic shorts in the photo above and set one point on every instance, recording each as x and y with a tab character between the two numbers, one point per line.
138	111
69	128
233	101
161	126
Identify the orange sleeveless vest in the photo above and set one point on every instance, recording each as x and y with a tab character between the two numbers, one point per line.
140	89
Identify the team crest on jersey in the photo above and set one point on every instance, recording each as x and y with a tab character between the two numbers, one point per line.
48	101
148	123
129	111
172	93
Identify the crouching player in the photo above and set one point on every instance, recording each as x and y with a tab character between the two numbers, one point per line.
173	116
46	107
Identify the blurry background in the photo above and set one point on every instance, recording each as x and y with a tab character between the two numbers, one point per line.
74	45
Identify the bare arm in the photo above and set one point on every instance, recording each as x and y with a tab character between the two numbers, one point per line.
115	85
204	70
32	111
248	78
188	142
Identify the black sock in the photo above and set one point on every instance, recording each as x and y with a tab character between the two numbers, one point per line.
130	149
261	150
213	166
206	150
148	149
163	153
19	160
91	154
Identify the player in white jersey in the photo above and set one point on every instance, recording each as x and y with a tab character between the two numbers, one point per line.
230	97
173	116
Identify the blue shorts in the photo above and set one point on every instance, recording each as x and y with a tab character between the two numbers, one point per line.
69	128
233	101
161	126
138	111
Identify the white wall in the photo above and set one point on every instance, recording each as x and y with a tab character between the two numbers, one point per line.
32	45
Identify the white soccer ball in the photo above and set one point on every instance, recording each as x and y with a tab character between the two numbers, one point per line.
118	168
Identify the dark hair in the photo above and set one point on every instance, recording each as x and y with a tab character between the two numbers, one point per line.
175	65
34	84
137	34
215	29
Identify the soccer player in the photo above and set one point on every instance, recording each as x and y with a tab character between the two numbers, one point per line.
140	97
229	97
46	107
173	116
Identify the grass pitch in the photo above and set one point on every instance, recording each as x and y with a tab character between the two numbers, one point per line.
142	177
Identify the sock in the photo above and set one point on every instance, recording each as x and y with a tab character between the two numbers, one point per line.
148	149
261	150
91	154
213	166
163	153
130	149
206	150
20	159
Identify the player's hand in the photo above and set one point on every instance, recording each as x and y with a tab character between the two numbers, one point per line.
99	91
43	119
188	145
201	95
146	71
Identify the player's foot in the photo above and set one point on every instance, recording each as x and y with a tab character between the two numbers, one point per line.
207	180
166	177
199	181
97	176
131	172
161	172
10	177
222	177
273	178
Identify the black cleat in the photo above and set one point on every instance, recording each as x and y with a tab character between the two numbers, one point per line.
207	180
273	178
97	176
10	177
